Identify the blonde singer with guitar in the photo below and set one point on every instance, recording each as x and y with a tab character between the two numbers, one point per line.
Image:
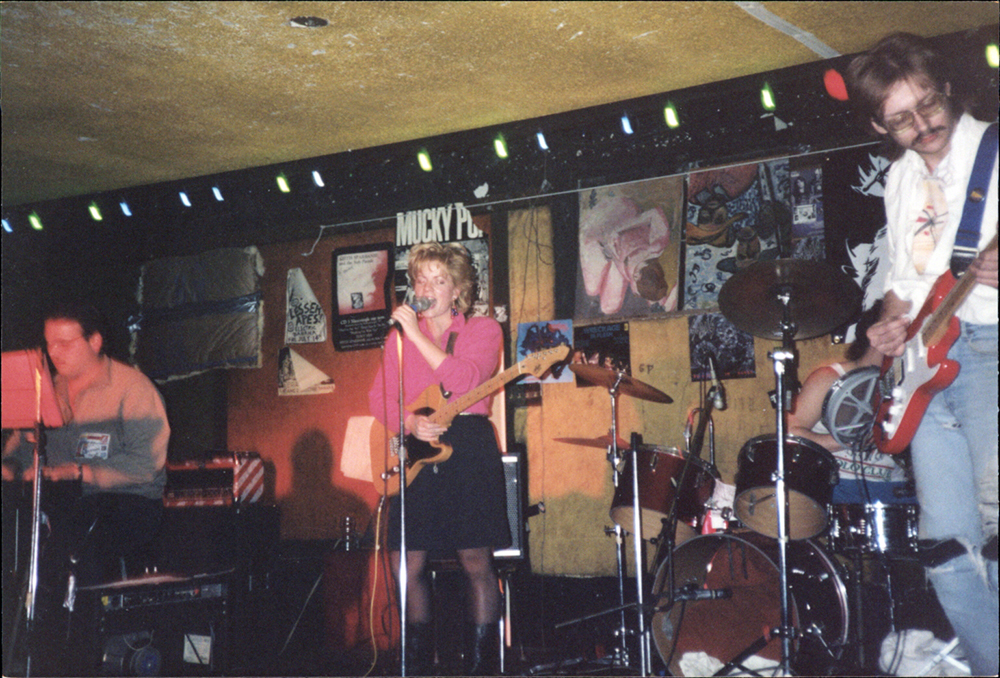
904	90
457	506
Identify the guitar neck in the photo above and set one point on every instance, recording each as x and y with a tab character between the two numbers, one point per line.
455	407
936	324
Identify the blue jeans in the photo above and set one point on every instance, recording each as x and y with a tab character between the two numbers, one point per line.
955	465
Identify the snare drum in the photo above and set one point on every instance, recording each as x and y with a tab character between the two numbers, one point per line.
660	471
890	529
810	474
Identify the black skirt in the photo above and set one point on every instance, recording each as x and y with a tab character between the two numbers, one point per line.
460	503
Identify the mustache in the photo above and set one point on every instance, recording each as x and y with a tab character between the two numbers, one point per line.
931	132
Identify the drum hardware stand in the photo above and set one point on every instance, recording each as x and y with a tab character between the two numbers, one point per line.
621	653
783	359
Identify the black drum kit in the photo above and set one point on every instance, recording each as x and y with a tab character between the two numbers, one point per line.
763	595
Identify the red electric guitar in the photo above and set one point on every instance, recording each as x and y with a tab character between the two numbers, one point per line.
432	403
924	369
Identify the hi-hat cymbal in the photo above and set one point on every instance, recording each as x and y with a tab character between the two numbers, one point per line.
819	298
602	442
602	376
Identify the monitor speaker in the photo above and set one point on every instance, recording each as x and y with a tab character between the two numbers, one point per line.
514	479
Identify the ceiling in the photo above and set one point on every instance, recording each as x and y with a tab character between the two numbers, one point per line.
104	95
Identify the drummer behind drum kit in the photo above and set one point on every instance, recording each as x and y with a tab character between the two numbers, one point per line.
767	590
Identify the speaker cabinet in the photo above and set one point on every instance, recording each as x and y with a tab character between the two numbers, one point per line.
516	492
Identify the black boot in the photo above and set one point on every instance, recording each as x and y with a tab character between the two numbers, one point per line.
419	649
482	650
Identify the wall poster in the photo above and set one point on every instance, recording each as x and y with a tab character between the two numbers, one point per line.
628	249
604	345
362	296
735	216
538	336
448	223
710	334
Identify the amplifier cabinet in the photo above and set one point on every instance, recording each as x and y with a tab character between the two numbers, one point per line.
174	628
516	497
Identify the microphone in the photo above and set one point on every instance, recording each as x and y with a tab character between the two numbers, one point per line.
419	305
686	594
719	392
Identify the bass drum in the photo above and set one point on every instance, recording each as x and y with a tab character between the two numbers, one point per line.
747	565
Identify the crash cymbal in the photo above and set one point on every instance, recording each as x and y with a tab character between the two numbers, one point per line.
819	298
603	442
602	376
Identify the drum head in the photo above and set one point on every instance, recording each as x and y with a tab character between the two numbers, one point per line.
746	565
851	405
810	474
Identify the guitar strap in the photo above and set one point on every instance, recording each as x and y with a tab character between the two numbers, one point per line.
450	350
967	239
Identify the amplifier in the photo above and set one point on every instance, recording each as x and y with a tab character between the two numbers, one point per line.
134	597
221	480
166	626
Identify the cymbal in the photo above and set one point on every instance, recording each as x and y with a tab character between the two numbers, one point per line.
602	376
602	442
820	298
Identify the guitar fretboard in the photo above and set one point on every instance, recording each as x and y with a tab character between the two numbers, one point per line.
937	323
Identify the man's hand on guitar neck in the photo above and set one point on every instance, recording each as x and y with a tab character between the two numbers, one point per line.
888	335
984	267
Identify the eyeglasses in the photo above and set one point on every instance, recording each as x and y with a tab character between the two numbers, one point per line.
59	344
930	106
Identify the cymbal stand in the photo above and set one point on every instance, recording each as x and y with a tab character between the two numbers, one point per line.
616	461
783	358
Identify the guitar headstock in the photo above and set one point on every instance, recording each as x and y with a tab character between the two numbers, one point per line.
537	363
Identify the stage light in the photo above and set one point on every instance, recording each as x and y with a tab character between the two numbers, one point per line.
283	183
835	86
35	221
670	115
424	158
6	226
542	144
95	212
767	98
126	210
318	179
217	193
184	199
626	124
992	55
500	146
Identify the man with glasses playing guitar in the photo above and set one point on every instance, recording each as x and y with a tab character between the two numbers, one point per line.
903	90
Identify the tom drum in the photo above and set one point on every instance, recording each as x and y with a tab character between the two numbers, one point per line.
810	474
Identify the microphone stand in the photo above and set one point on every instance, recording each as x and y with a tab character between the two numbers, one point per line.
670	524
403	564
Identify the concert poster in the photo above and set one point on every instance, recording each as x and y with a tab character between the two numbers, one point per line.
361	296
305	321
